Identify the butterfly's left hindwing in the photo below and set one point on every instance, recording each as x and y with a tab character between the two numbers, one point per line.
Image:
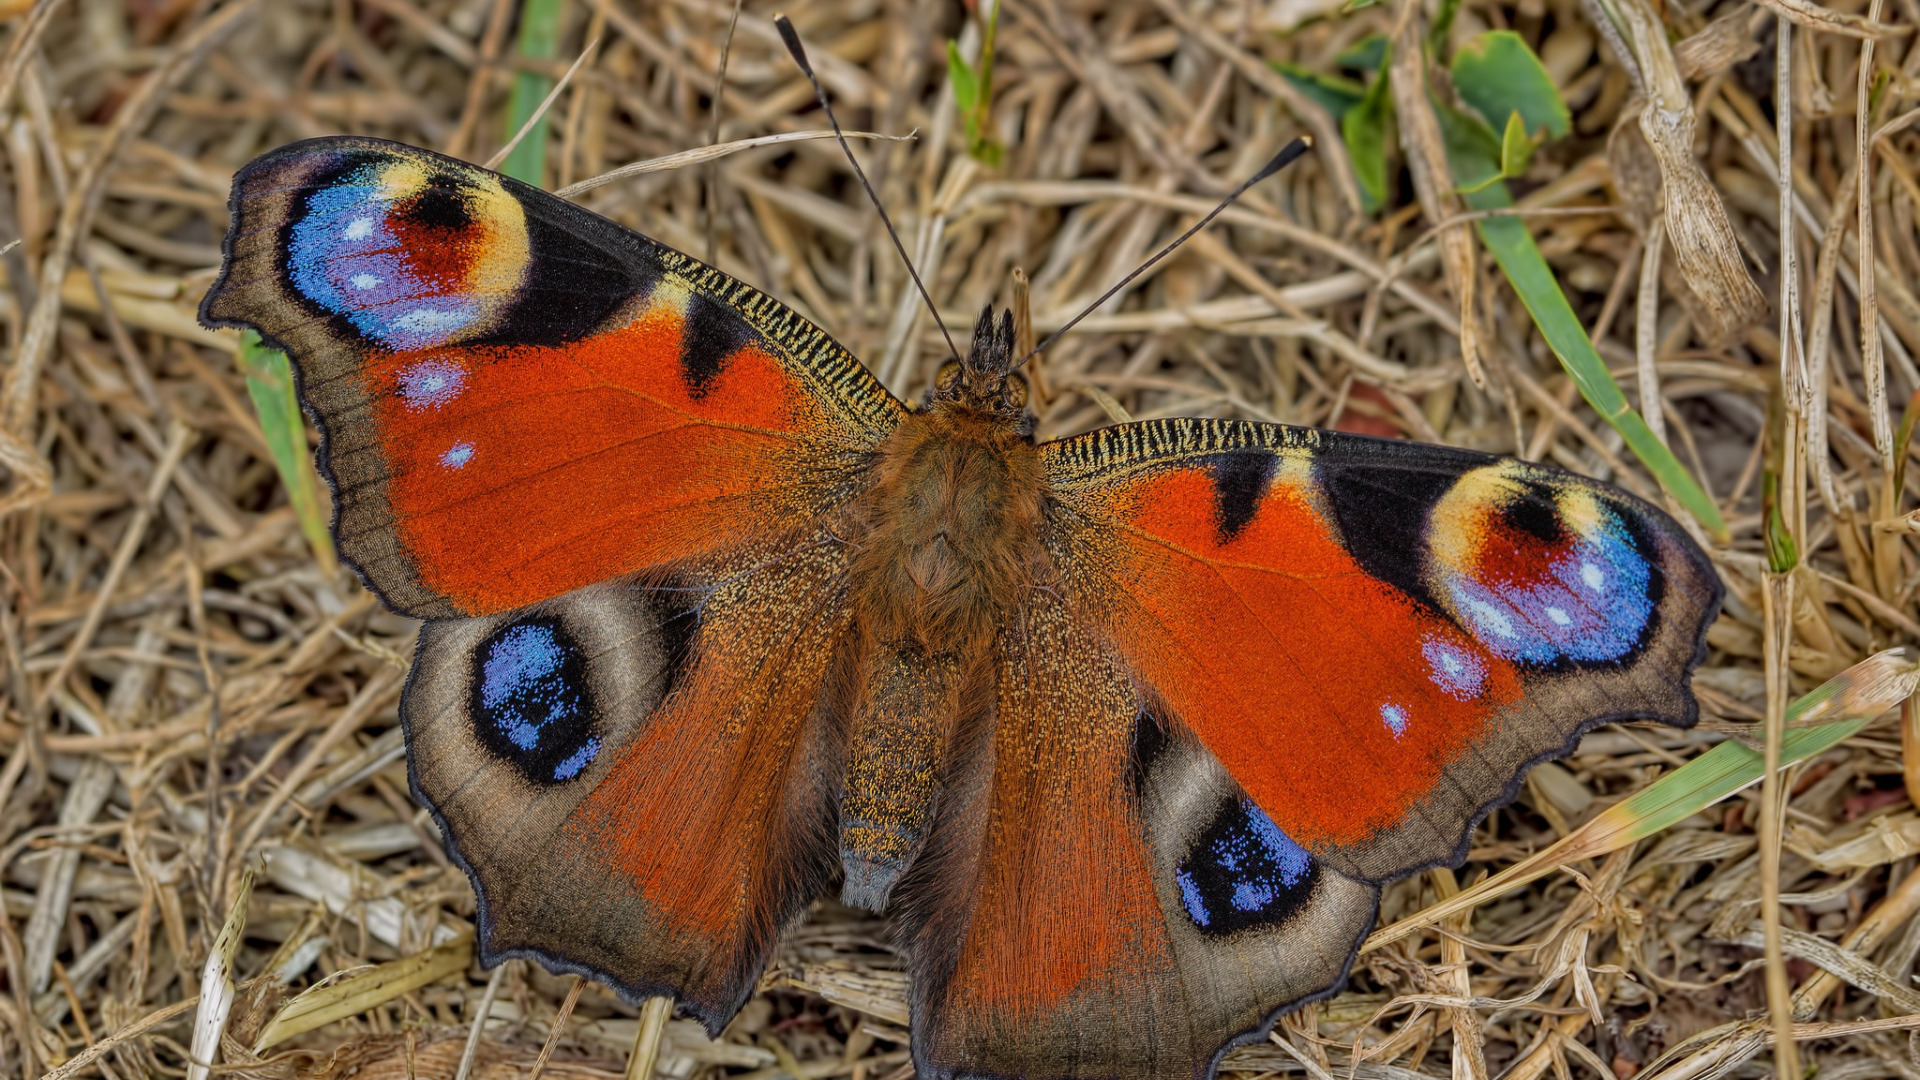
1375	638
638	779
517	397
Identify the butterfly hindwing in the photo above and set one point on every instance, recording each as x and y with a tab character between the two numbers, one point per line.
638	779
517	397
1099	898
1375	638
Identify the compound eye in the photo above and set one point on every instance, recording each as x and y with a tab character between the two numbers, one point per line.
948	378
1016	390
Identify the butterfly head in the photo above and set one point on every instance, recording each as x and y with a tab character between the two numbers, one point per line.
986	379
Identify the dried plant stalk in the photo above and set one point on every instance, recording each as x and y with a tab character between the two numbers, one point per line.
1433	181
1697	225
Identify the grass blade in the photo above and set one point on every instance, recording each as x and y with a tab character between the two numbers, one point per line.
1526	269
1835	711
539	40
365	990
270	385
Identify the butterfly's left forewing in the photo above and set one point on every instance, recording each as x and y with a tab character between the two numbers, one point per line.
518	397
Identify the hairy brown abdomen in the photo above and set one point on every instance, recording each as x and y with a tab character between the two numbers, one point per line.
951	545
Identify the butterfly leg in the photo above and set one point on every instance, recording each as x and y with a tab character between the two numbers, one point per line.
909	703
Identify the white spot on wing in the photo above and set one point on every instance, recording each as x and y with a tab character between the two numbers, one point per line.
1396	719
1490	618
1559	616
427	320
365	281
1592	575
359	228
457	455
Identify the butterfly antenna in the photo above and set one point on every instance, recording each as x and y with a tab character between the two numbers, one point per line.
1281	160
792	39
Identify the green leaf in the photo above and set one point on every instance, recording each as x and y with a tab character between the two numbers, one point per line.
966	85
1334	93
1368	131
1498	74
1516	149
1473	150
1782	553
1527	271
1367	54
973	91
270	385
539	40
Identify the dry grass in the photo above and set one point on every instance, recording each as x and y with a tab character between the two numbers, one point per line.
160	599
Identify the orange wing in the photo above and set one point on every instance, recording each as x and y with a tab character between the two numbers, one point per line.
518	397
1099	899
1376	638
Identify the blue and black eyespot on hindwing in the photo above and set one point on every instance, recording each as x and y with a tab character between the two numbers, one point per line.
532	704
1243	872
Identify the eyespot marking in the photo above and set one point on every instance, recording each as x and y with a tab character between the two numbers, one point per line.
1243	872
531	704
1540	572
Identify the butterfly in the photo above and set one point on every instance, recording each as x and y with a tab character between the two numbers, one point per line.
1126	730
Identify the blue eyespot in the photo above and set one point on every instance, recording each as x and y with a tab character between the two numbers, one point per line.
531	702
1592	603
1243	872
345	256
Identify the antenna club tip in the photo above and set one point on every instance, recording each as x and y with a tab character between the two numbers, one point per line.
1305	139
791	39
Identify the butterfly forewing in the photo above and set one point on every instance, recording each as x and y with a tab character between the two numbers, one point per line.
1376	638
519	397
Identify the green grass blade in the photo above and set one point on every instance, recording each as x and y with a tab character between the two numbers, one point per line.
1527	270
539	40
1839	708
1846	701
270	384
1334	93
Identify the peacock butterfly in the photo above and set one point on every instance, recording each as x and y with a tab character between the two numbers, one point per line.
1126	729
